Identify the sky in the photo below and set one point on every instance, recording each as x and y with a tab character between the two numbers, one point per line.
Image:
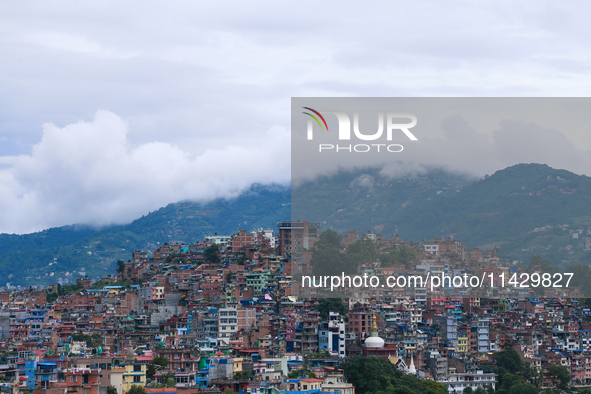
110	110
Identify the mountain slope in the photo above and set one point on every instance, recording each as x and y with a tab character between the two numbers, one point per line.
32	258
525	209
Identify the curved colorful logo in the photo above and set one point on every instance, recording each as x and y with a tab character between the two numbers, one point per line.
315	118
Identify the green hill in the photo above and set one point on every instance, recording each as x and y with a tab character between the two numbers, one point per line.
79	250
525	209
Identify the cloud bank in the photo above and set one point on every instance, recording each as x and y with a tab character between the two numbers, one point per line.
88	172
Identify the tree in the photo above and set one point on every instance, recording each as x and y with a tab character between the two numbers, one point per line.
561	373
468	390
329	237
404	255
328	260
111	390
167	377
514	384
297	373
229	277
362	251
170	382
378	374
120	266
242	375
96	340
154	365
509	359
331	305
136	389
211	254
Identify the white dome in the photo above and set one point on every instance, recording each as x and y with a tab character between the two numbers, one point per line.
374	342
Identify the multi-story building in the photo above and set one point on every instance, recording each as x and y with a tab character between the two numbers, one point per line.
458	382
331	335
227	322
297	236
135	374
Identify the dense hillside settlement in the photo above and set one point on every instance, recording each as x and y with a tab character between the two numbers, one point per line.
233	314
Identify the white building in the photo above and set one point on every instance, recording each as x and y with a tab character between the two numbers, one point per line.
458	382
227	322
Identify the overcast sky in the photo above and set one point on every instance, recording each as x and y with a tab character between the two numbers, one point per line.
110	109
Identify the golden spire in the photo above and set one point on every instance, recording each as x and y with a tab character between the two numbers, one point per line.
374	325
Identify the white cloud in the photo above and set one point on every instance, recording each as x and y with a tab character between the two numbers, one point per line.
88	172
198	82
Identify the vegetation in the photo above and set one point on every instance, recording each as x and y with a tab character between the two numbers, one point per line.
509	359
331	305
94	341
154	365
299	373
502	209
136	389
102	283
377	375
242	375
31	258
212	254
330	257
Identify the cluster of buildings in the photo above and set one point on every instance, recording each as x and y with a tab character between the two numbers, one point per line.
229	312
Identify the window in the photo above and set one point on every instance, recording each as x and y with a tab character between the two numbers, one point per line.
137	379
74	379
137	368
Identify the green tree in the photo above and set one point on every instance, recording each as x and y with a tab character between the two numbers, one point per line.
329	237
154	365
523	388
211	254
242	375
331	305
96	340
170	382
297	373
378	374
120	266
404	255
328	260
561	373
468	390
136	389
362	251
111	390
509	359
